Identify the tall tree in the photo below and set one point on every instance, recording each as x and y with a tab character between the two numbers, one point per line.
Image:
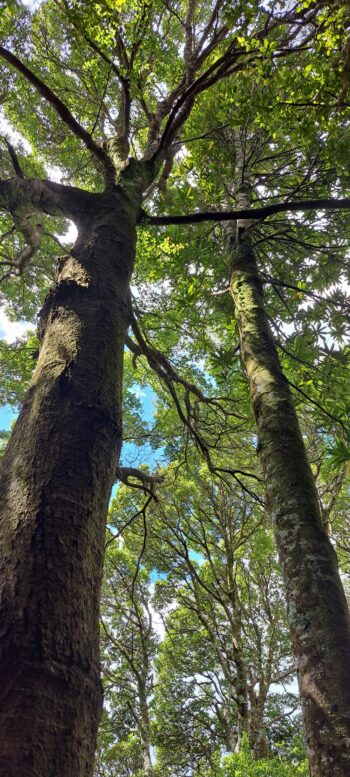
94	76
128	648
307	556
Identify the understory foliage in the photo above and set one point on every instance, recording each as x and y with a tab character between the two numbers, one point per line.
194	623
198	671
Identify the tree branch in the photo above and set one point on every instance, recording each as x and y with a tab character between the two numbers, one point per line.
224	66
23	200
124	473
14	159
60	108
325	203
44	196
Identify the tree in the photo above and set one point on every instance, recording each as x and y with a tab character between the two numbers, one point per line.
128	648
226	637
307	556
107	68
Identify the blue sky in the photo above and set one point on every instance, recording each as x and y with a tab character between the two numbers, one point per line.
7	416
133	455
9	330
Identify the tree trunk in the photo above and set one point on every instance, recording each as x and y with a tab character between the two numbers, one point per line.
261	744
241	689
145	732
55	482
233	739
317	610
258	735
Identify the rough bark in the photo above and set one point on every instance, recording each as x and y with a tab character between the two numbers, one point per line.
317	609
55	483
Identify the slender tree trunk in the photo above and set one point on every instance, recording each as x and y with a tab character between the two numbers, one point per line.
317	609
145	731
258	736
241	689
55	483
234	708
261	744
233	612
233	739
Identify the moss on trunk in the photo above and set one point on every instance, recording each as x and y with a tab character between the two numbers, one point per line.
317	609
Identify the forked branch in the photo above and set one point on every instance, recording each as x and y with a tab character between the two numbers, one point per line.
60	107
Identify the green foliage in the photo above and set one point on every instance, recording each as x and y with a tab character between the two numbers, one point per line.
243	764
122	757
3	440
216	580
338	453
17	362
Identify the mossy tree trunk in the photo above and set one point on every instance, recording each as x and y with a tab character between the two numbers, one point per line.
55	482
317	609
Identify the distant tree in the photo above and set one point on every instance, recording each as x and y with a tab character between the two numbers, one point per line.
128	648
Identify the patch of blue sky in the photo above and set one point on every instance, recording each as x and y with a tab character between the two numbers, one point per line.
155	575
138	455
196	556
7	416
10	330
147	398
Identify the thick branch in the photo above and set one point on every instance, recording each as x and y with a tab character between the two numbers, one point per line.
14	159
60	107
325	203
22	220
184	103
159	362
43	196
23	199
225	65
124	473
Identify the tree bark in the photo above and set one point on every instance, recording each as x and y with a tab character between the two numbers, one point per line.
317	609
145	731
258	736
55	481
241	690
232	737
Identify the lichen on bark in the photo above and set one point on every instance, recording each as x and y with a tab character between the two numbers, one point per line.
317	610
